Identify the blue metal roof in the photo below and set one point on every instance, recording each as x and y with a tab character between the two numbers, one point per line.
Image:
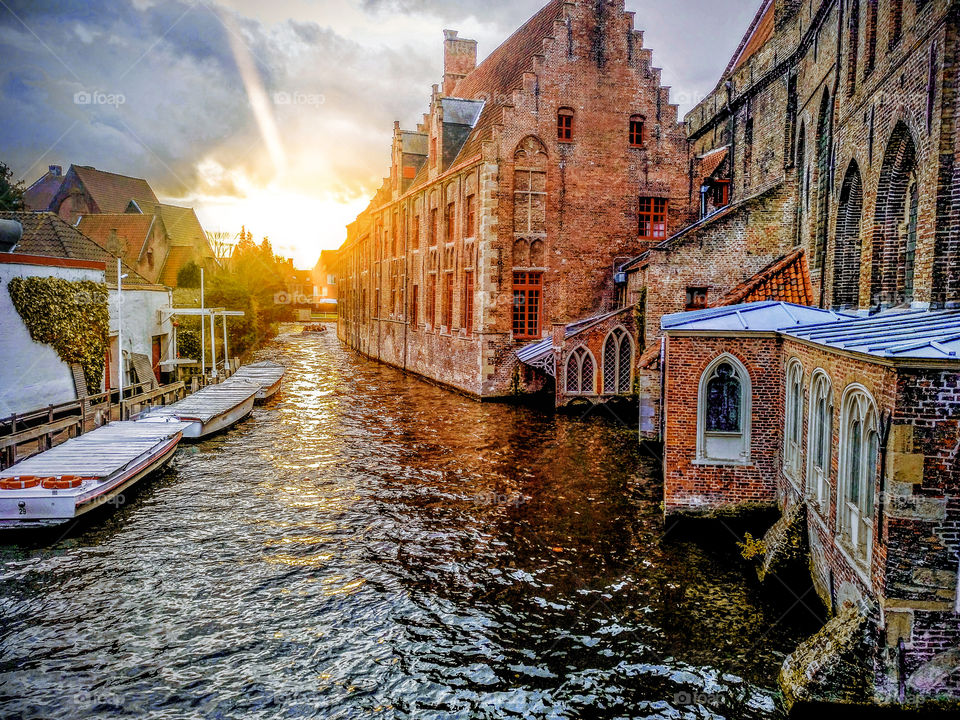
768	316
915	334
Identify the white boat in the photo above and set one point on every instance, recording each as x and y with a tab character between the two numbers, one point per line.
208	411
268	374
86	472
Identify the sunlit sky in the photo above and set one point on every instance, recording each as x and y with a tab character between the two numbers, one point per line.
273	114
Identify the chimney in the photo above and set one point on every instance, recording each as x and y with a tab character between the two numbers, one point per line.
459	58
55	170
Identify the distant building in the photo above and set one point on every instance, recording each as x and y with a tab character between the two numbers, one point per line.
325	281
39	195
88	191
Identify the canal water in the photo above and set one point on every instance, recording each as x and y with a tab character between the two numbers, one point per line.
368	545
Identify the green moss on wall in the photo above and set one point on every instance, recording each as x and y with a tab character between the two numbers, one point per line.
72	316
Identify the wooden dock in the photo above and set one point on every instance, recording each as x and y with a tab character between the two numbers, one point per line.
214	408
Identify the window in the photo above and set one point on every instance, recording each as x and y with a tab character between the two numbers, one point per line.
527	289
434	227
416	230
376	300
471	229
653	218
431	319
721	193
448	301
854	47
910	252
636	131
451	220
793	437
696	298
565	125
896	21
580	372
723	413
415	306
859	452
819	438
395	233
618	363
871	39
468	302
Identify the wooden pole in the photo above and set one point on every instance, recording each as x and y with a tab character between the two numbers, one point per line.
203	332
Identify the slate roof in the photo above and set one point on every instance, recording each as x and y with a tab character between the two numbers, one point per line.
753	317
111	192
39	195
910	335
133	230
786	279
46	235
919	334
535	351
760	30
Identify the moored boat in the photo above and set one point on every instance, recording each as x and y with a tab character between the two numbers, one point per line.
208	411
64	483
269	375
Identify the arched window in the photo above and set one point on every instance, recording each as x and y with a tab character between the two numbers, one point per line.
846	255
617	363
824	145
580	372
819	438
793	438
859	453
723	412
894	235
565	124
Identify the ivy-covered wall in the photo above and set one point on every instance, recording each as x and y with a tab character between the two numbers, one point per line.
72	316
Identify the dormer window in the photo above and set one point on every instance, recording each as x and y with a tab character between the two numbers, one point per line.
565	125
636	131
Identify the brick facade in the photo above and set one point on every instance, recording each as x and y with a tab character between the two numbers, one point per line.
580	57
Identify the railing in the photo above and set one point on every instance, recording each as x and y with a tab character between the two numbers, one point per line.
49	426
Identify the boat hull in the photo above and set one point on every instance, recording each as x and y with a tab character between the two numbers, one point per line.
268	392
198	430
38	509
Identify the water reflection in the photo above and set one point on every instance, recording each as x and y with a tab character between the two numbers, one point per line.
368	544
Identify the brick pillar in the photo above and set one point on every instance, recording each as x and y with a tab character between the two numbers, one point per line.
459	58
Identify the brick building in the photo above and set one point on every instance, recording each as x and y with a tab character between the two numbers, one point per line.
853	425
531	178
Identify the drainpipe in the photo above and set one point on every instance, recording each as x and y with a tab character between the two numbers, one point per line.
886	423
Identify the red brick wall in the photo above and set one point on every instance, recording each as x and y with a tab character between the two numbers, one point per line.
692	487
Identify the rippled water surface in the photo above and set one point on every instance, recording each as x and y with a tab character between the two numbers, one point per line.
371	546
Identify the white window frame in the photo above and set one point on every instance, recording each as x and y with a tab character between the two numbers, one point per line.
623	341
793	410
855	531
818	478
716	448
566	370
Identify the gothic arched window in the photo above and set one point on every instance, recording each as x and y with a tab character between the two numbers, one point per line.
580	372
723	412
617	363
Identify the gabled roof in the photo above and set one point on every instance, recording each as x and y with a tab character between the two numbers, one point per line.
760	30
753	317
39	195
46	235
111	192
132	230
786	279
712	160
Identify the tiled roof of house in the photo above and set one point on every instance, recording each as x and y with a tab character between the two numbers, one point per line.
495	79
178	256
39	195
786	279
184	228
712	160
132	231
111	192
46	235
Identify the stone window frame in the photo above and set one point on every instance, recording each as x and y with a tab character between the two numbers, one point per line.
858	405
793	421
740	441
580	355
818	477
620	337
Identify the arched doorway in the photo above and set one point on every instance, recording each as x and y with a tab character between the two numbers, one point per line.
846	256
